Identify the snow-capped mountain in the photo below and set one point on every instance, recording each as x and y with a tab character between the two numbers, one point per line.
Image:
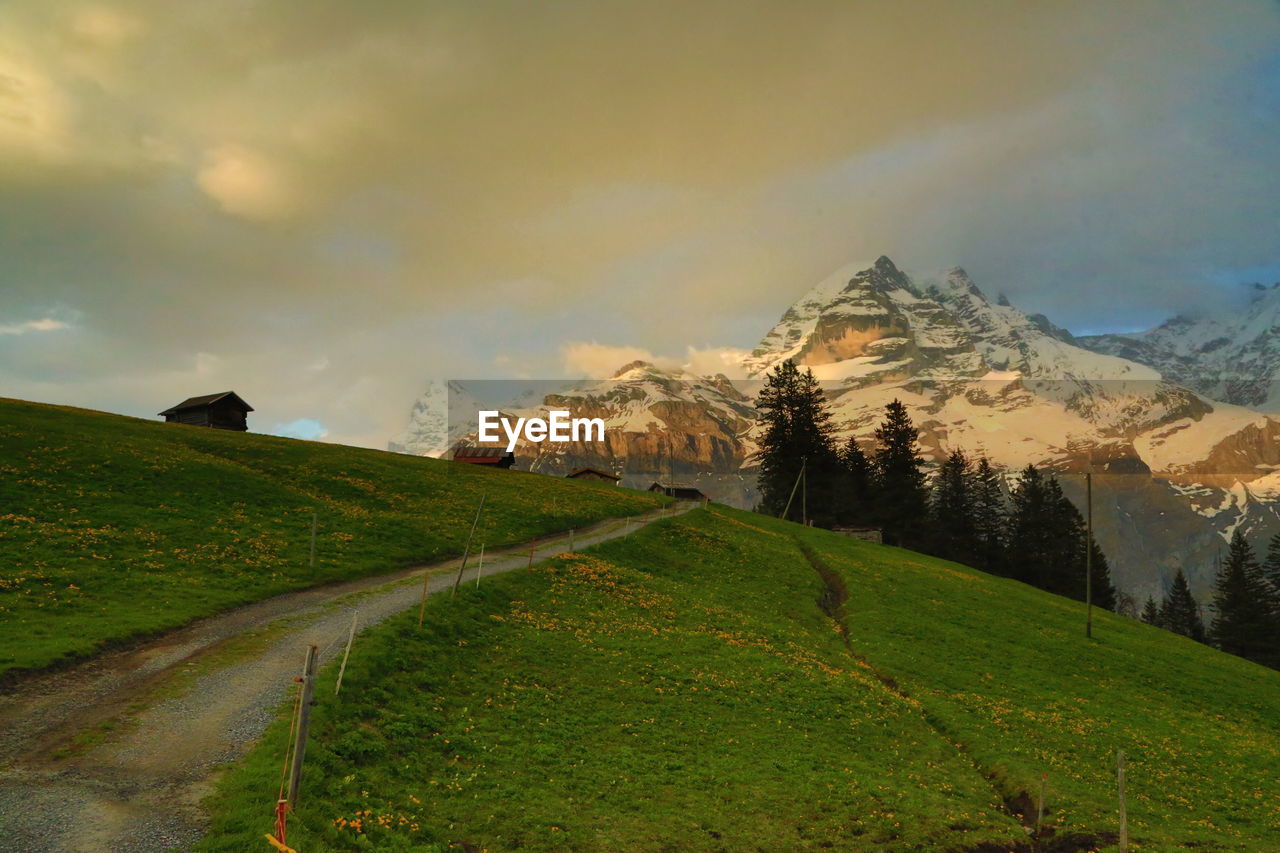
1233	357
1184	470
430	432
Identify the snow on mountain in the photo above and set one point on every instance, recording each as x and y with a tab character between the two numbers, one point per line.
1233	357
1186	470
430	432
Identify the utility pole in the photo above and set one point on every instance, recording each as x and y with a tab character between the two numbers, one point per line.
1088	550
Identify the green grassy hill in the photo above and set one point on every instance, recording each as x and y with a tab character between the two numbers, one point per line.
115	527
725	681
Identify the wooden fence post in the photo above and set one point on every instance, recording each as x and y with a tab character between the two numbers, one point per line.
304	722
1044	777
350	639
467	551
532	548
1124	812
570	540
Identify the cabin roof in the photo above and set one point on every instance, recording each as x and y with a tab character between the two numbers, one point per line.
474	452
207	400
582	471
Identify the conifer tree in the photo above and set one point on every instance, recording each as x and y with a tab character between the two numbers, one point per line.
855	499
1028	528
952	529
1180	613
1048	542
1151	613
1241	622
901	496
989	518
1271	567
797	434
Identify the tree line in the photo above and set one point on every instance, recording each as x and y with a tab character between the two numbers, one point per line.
1035	535
1246	605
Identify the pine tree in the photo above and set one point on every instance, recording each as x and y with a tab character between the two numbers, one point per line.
1028	528
1271	567
952	529
901	496
1180	613
1151	613
989	518
1240	620
1048	544
855	499
797	435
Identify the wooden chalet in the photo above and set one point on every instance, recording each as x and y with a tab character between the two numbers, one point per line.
679	492
220	411
867	534
593	474
474	454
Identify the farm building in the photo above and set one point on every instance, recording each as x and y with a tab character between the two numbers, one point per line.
220	411
679	492
593	474
867	534
478	455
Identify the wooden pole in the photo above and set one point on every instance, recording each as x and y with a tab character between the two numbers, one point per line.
533	547
1088	552
1124	812
480	570
304	722
1044	778
786	509
313	541
467	551
346	654
804	496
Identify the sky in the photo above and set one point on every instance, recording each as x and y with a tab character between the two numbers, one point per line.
324	204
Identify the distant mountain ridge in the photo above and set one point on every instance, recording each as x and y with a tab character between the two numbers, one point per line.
1230	357
1186	469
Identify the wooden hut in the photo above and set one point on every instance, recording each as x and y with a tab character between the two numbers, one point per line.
594	474
220	411
679	492
867	534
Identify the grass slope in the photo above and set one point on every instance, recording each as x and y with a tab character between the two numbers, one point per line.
114	527
685	689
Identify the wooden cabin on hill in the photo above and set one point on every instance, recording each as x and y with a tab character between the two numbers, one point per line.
679	492
593	474
220	411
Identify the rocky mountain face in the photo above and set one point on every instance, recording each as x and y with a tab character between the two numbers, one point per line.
1232	357
1176	469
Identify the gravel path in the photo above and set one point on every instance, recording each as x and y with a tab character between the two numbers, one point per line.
140	787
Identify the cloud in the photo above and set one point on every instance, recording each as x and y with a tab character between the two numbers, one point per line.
244	182
45	324
405	190
593	360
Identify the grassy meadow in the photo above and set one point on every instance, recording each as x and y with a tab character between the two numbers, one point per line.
113	527
691	688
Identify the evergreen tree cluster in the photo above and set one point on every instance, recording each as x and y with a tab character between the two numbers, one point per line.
1038	537
1246	605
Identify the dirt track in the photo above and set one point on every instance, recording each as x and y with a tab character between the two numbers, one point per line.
167	714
